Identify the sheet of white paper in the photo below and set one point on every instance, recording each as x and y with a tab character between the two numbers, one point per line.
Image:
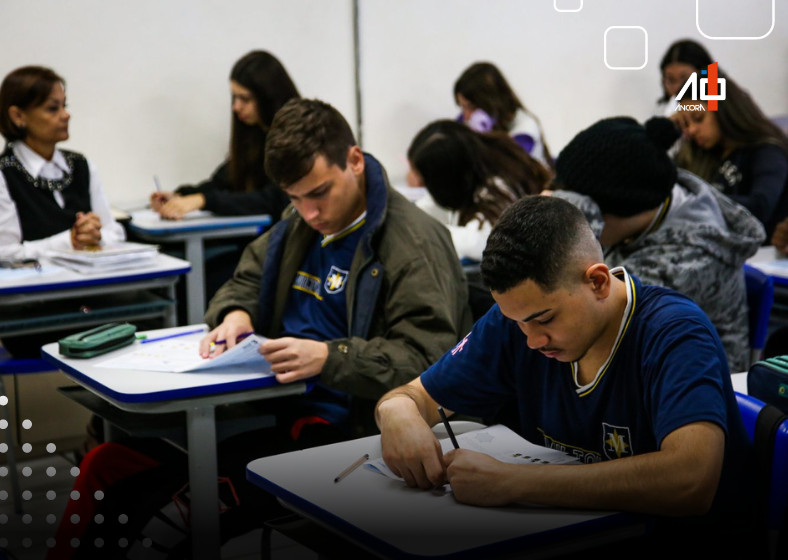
181	355
498	442
148	215
25	273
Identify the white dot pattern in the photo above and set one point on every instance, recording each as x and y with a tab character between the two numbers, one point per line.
99	543
27	518
27	424
123	519
74	471
27	448
51	471
123	543
51	447
50	542
99	495
27	494
51	518
74	495
75	542
51	495
27	471
3	400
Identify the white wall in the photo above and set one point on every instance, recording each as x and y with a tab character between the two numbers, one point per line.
148	80
414	50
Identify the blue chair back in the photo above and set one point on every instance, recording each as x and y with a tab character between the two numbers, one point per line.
777	485
760	297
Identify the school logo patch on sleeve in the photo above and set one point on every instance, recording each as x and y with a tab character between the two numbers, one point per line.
617	441
336	280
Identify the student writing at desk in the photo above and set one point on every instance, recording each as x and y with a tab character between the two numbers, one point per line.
260	85
471	178
359	291
630	379
738	150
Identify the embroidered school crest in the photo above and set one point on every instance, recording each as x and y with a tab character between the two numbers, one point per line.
617	441
335	281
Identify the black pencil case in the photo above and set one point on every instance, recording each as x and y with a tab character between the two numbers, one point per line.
767	380
97	341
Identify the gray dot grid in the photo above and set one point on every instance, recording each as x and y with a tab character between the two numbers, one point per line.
51	495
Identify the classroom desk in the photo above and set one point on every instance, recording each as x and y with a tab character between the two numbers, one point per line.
67	285
389	520
198	394
148	226
770	262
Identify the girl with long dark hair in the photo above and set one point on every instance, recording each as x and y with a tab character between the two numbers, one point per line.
260	85
738	150
679	62
471	178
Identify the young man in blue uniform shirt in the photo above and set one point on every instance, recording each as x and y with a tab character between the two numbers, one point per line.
630	379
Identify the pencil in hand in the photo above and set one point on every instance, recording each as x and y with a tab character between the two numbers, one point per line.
448	428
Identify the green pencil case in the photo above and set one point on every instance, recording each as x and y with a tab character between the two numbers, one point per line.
97	341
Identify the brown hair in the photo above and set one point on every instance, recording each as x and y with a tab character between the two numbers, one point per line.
27	88
474	173
742	124
302	130
270	85
484	85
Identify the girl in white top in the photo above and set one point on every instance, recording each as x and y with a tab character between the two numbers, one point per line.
489	103
471	178
49	198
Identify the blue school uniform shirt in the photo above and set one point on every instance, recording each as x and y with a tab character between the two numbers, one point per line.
667	369
316	307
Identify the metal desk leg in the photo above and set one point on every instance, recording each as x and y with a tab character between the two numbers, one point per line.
11	455
171	316
195	281
203	485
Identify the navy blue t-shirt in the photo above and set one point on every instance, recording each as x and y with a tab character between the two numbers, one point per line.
668	369
316	308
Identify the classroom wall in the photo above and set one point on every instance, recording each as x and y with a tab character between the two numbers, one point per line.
148	80
414	50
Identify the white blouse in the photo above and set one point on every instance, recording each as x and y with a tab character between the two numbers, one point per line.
11	244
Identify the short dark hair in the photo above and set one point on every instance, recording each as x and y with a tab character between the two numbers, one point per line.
535	239
302	130
27	88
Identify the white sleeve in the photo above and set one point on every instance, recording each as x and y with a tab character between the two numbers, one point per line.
111	231
469	240
428	204
11	245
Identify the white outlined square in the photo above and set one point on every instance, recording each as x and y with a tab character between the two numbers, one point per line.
557	9
645	47
697	24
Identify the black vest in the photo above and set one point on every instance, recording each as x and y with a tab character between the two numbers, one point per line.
39	214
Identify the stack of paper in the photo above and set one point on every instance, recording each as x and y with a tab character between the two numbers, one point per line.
122	256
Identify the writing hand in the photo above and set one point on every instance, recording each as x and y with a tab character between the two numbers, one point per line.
177	207
478	479
235	323
159	199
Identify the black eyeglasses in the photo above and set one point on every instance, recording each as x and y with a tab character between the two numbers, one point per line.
21	263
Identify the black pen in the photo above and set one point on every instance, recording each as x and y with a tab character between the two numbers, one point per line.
448	428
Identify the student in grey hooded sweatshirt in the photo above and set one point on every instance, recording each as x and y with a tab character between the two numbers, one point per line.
666	226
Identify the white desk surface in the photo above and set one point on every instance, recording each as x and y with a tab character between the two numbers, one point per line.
149	222
739	382
164	265
768	260
389	519
142	390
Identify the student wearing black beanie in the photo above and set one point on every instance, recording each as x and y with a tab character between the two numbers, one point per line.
665	225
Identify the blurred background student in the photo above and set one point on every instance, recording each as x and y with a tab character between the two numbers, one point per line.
260	85
49	198
488	102
739	151
679	62
471	178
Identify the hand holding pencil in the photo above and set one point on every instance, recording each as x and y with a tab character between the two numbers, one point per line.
236	323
